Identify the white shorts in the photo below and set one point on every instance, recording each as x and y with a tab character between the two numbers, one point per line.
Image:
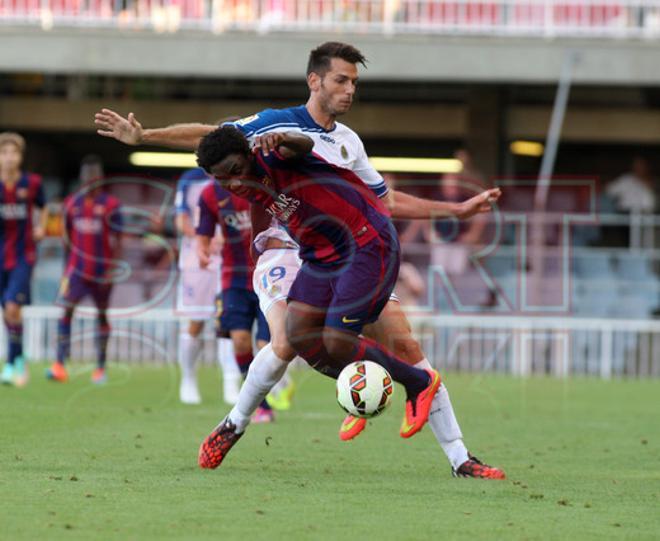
197	291
275	272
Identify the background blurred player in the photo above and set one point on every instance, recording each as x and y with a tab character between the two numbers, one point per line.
21	193
196	295
92	238
239	306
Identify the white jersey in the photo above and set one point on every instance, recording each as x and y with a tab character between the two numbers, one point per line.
339	146
188	190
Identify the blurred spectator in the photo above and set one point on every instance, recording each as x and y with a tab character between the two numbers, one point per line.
634	191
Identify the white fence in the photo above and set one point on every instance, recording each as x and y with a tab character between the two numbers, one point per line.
535	18
510	345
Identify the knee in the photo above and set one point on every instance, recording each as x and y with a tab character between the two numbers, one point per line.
282	348
339	347
195	328
12	313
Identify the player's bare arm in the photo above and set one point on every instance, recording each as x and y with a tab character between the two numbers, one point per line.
204	250
184	224
409	207
260	221
129	130
290	145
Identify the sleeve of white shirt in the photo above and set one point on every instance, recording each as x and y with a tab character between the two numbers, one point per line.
367	173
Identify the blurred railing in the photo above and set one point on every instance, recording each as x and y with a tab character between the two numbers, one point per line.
520	346
540	18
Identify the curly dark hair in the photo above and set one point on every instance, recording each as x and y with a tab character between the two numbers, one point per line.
220	143
319	58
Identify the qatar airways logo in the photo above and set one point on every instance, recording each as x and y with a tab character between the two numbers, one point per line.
283	207
88	226
238	220
13	211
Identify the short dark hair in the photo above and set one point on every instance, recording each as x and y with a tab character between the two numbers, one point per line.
319	58
220	143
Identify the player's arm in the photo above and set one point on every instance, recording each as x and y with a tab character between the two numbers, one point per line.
130	132
289	144
117	224
39	230
409	207
204	232
184	224
260	221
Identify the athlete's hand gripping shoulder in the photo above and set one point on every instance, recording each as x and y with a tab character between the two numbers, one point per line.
290	145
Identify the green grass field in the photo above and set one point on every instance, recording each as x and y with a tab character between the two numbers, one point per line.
119	462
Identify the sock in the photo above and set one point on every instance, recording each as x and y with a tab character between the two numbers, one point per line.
244	361
63	339
281	385
265	371
15	341
189	349
227	359
102	337
444	425
413	379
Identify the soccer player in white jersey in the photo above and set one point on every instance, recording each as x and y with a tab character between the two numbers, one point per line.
196	296
332	76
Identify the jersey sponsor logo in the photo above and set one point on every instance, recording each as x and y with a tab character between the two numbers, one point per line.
13	211
238	220
328	139
283	207
88	226
246	120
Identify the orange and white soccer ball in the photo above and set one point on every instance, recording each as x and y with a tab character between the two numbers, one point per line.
364	389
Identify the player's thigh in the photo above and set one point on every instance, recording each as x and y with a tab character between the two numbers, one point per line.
73	289
242	341
196	293
304	326
274	275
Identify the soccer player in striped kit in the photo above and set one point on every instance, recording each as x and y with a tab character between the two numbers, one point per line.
21	193
239	305
93	230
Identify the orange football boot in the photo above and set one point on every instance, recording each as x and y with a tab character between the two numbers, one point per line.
417	412
351	427
57	372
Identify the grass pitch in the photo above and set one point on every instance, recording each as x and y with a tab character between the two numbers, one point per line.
119	462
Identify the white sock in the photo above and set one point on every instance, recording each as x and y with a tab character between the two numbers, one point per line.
444	425
265	371
227	359
189	349
284	382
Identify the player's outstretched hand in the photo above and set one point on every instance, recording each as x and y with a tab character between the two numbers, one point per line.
479	203
111	124
267	143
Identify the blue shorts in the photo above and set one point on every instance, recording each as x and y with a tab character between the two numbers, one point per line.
238	310
74	288
355	291
15	284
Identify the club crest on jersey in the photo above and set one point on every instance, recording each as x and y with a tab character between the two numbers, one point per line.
246	120
267	181
283	207
99	209
344	152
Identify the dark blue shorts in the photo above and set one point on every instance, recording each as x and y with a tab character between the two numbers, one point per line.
15	284
239	309
74	288
354	292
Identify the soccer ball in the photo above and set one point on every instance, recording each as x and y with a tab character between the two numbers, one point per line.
364	389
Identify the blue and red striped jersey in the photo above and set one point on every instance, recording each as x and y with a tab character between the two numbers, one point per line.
219	206
17	203
328	210
91	222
